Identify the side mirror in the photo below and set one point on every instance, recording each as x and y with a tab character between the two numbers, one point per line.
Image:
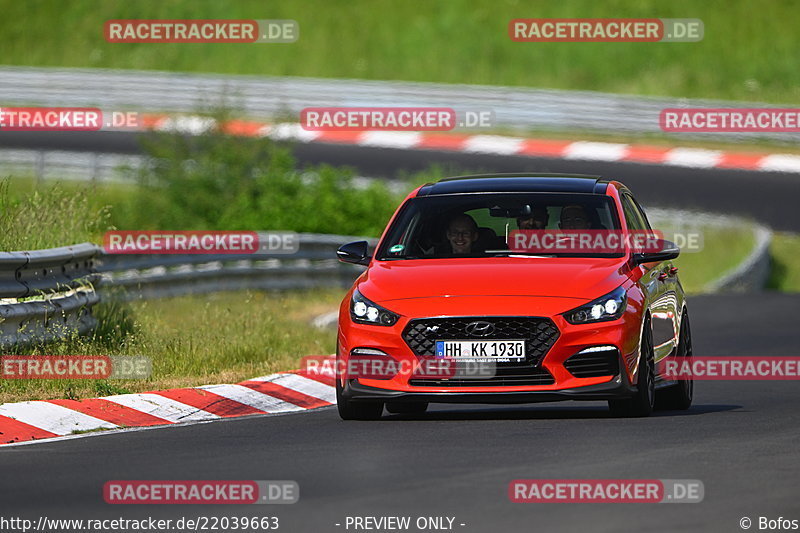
663	251
354	252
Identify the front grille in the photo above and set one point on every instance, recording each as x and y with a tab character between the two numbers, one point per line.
593	364
539	335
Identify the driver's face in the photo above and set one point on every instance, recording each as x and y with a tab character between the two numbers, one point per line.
537	220
461	236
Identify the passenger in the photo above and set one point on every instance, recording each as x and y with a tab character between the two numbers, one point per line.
462	232
538	219
574	217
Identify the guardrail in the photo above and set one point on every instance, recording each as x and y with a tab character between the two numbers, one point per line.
268	97
132	276
68	165
47	294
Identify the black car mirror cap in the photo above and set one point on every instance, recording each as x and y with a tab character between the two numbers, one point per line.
356	253
666	251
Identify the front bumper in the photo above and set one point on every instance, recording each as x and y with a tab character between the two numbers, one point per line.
566	383
617	388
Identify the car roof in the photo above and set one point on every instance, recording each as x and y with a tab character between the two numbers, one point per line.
574	183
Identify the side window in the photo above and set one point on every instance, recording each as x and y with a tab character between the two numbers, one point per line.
632	217
642	215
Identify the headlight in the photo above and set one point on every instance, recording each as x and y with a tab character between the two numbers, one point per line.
609	307
364	311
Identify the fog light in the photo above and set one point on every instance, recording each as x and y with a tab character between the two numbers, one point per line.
368	351
592	349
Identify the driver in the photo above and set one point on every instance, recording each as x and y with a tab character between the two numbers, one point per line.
538	219
462	233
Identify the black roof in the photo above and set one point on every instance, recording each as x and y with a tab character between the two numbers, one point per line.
577	183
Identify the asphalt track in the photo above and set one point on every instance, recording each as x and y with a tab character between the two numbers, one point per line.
770	197
740	438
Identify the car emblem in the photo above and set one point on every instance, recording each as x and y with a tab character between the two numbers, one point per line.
479	329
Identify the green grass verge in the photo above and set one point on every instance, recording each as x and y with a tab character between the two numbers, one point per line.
723	250
195	340
785	250
749	49
33	218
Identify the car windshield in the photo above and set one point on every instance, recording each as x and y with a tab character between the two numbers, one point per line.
481	224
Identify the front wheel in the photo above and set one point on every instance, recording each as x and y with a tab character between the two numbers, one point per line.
350	410
642	403
678	397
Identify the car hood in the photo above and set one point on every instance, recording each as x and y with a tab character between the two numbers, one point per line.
580	278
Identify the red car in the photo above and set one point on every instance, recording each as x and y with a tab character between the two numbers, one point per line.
451	309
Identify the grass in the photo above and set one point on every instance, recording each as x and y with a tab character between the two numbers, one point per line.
48	217
723	250
748	52
197	340
785	274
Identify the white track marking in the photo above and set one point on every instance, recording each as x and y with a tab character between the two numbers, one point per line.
292	132
693	157
53	418
252	398
780	163
161	406
307	386
192	125
391	139
493	144
596	151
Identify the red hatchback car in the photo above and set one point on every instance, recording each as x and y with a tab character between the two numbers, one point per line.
450	310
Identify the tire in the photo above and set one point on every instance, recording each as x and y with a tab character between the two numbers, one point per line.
407	408
362	410
642	403
678	397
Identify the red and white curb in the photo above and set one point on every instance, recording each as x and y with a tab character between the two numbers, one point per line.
491	144
284	392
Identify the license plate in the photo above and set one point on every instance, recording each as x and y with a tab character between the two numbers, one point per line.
494	350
